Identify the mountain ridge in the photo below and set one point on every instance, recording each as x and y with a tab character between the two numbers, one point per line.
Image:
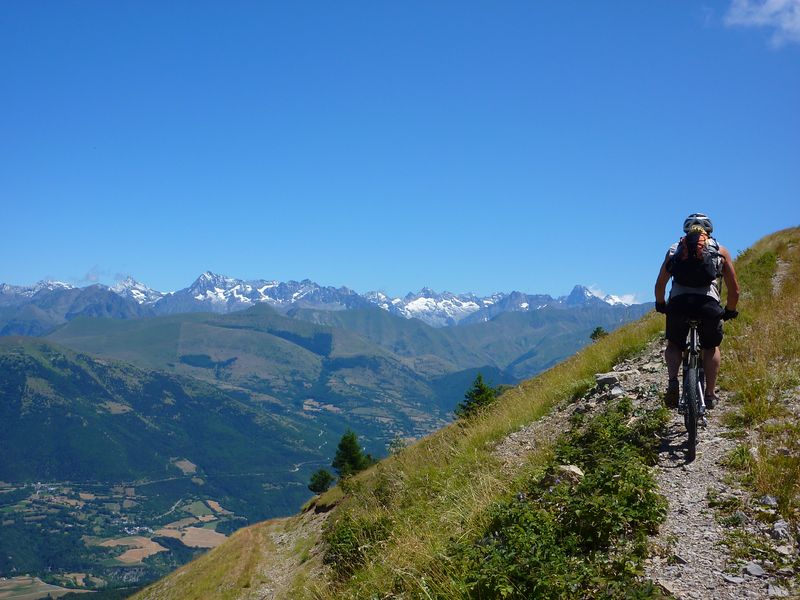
211	292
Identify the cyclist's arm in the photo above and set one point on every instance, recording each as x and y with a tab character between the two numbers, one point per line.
661	282
729	275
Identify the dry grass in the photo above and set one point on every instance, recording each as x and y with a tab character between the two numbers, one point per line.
31	588
199	537
186	466
761	366
439	489
217	507
222	573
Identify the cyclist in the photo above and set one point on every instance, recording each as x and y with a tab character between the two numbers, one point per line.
698	302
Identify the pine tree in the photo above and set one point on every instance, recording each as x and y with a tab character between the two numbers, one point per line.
598	333
477	397
350	459
320	481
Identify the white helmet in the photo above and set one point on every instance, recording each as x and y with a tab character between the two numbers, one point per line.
698	219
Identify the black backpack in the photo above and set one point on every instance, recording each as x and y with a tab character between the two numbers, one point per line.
696	262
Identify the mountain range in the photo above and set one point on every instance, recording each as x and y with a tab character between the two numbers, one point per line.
144	411
38	309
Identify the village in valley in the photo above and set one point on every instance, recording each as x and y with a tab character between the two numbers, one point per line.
89	536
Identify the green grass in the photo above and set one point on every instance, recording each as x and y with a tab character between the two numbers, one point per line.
198	509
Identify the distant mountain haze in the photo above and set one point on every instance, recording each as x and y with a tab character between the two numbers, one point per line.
37	309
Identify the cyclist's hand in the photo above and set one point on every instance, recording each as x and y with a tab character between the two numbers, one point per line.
661	307
729	314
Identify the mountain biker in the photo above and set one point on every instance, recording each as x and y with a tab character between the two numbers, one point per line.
702	303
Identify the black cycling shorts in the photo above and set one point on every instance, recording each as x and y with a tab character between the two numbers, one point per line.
694	306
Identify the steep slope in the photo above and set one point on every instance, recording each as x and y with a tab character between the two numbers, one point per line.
323	373
125	451
351	360
407	527
70	417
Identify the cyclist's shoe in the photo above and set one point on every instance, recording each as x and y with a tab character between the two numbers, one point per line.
673	393
711	400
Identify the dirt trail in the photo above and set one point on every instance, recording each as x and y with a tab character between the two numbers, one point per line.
284	536
781	272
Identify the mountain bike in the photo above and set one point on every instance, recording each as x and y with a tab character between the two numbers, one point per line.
692	402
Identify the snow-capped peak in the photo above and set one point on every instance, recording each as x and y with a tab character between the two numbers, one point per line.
46	285
220	293
615	300
140	293
209	279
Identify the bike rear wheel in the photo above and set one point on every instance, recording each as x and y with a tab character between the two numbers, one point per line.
691	393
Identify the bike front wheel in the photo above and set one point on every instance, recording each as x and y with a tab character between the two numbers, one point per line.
692	398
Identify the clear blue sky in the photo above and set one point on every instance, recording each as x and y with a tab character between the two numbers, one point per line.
467	146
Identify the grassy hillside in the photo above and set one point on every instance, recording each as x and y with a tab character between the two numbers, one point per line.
388	375
422	524
279	363
97	449
71	417
522	343
762	366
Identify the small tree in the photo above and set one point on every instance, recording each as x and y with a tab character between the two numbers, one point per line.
320	481
477	397
350	459
598	333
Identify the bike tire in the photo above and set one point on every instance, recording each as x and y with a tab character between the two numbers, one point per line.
692	397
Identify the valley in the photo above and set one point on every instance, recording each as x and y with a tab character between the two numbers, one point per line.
135	441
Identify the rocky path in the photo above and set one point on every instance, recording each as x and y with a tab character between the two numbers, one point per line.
689	558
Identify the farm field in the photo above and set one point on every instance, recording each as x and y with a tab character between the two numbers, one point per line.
29	588
100	535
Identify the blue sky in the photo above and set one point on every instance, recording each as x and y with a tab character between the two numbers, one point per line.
466	146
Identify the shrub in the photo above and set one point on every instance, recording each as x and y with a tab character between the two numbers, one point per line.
479	396
320	481
562	538
350	459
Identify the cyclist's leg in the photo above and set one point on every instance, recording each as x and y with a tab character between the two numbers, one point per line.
677	328
710	338
711	362
672	356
